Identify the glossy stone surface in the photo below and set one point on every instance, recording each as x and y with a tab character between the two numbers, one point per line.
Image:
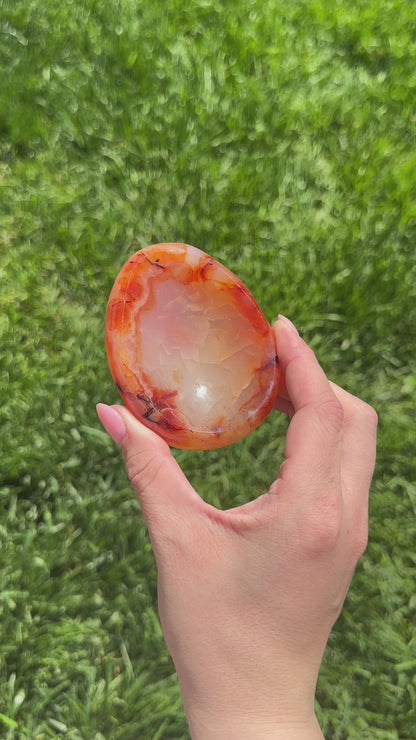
192	355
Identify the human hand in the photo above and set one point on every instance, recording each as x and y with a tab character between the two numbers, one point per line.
248	596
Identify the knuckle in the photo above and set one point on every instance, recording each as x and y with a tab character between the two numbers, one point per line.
360	539
142	469
361	543
331	414
322	528
370	415
366	414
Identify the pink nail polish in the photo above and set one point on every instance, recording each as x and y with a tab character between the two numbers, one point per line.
112	422
288	322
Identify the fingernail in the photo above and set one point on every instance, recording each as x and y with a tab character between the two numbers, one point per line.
288	322
112	422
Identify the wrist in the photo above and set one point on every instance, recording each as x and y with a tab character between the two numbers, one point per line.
233	705
250	715
247	727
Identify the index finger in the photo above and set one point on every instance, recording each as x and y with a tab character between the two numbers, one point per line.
313	442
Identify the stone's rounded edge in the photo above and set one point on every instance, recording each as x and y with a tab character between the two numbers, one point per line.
127	291
149	257
172	247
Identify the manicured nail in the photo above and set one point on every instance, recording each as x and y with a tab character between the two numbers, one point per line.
112	422
288	322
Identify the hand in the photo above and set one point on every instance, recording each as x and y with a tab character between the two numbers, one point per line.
248	596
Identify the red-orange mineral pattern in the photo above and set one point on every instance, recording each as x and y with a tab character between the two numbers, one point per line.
192	354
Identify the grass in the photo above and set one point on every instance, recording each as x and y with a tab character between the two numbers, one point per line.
280	138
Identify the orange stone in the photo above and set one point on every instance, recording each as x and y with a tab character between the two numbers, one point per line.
192	354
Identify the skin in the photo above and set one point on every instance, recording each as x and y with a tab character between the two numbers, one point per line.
248	596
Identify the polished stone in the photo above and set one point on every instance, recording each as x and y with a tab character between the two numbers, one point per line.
192	354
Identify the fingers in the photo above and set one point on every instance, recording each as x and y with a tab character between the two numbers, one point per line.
283	402
304	382
314	437
359	439
160	484
332	432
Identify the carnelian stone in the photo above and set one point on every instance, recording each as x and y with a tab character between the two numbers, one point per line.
192	354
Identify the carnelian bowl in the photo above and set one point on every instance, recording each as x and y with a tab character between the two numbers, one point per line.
191	353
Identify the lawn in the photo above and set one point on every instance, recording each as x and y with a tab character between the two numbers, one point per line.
280	137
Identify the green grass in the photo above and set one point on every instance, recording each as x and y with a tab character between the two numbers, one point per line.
280	138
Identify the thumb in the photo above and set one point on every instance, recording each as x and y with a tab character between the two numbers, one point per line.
159	482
